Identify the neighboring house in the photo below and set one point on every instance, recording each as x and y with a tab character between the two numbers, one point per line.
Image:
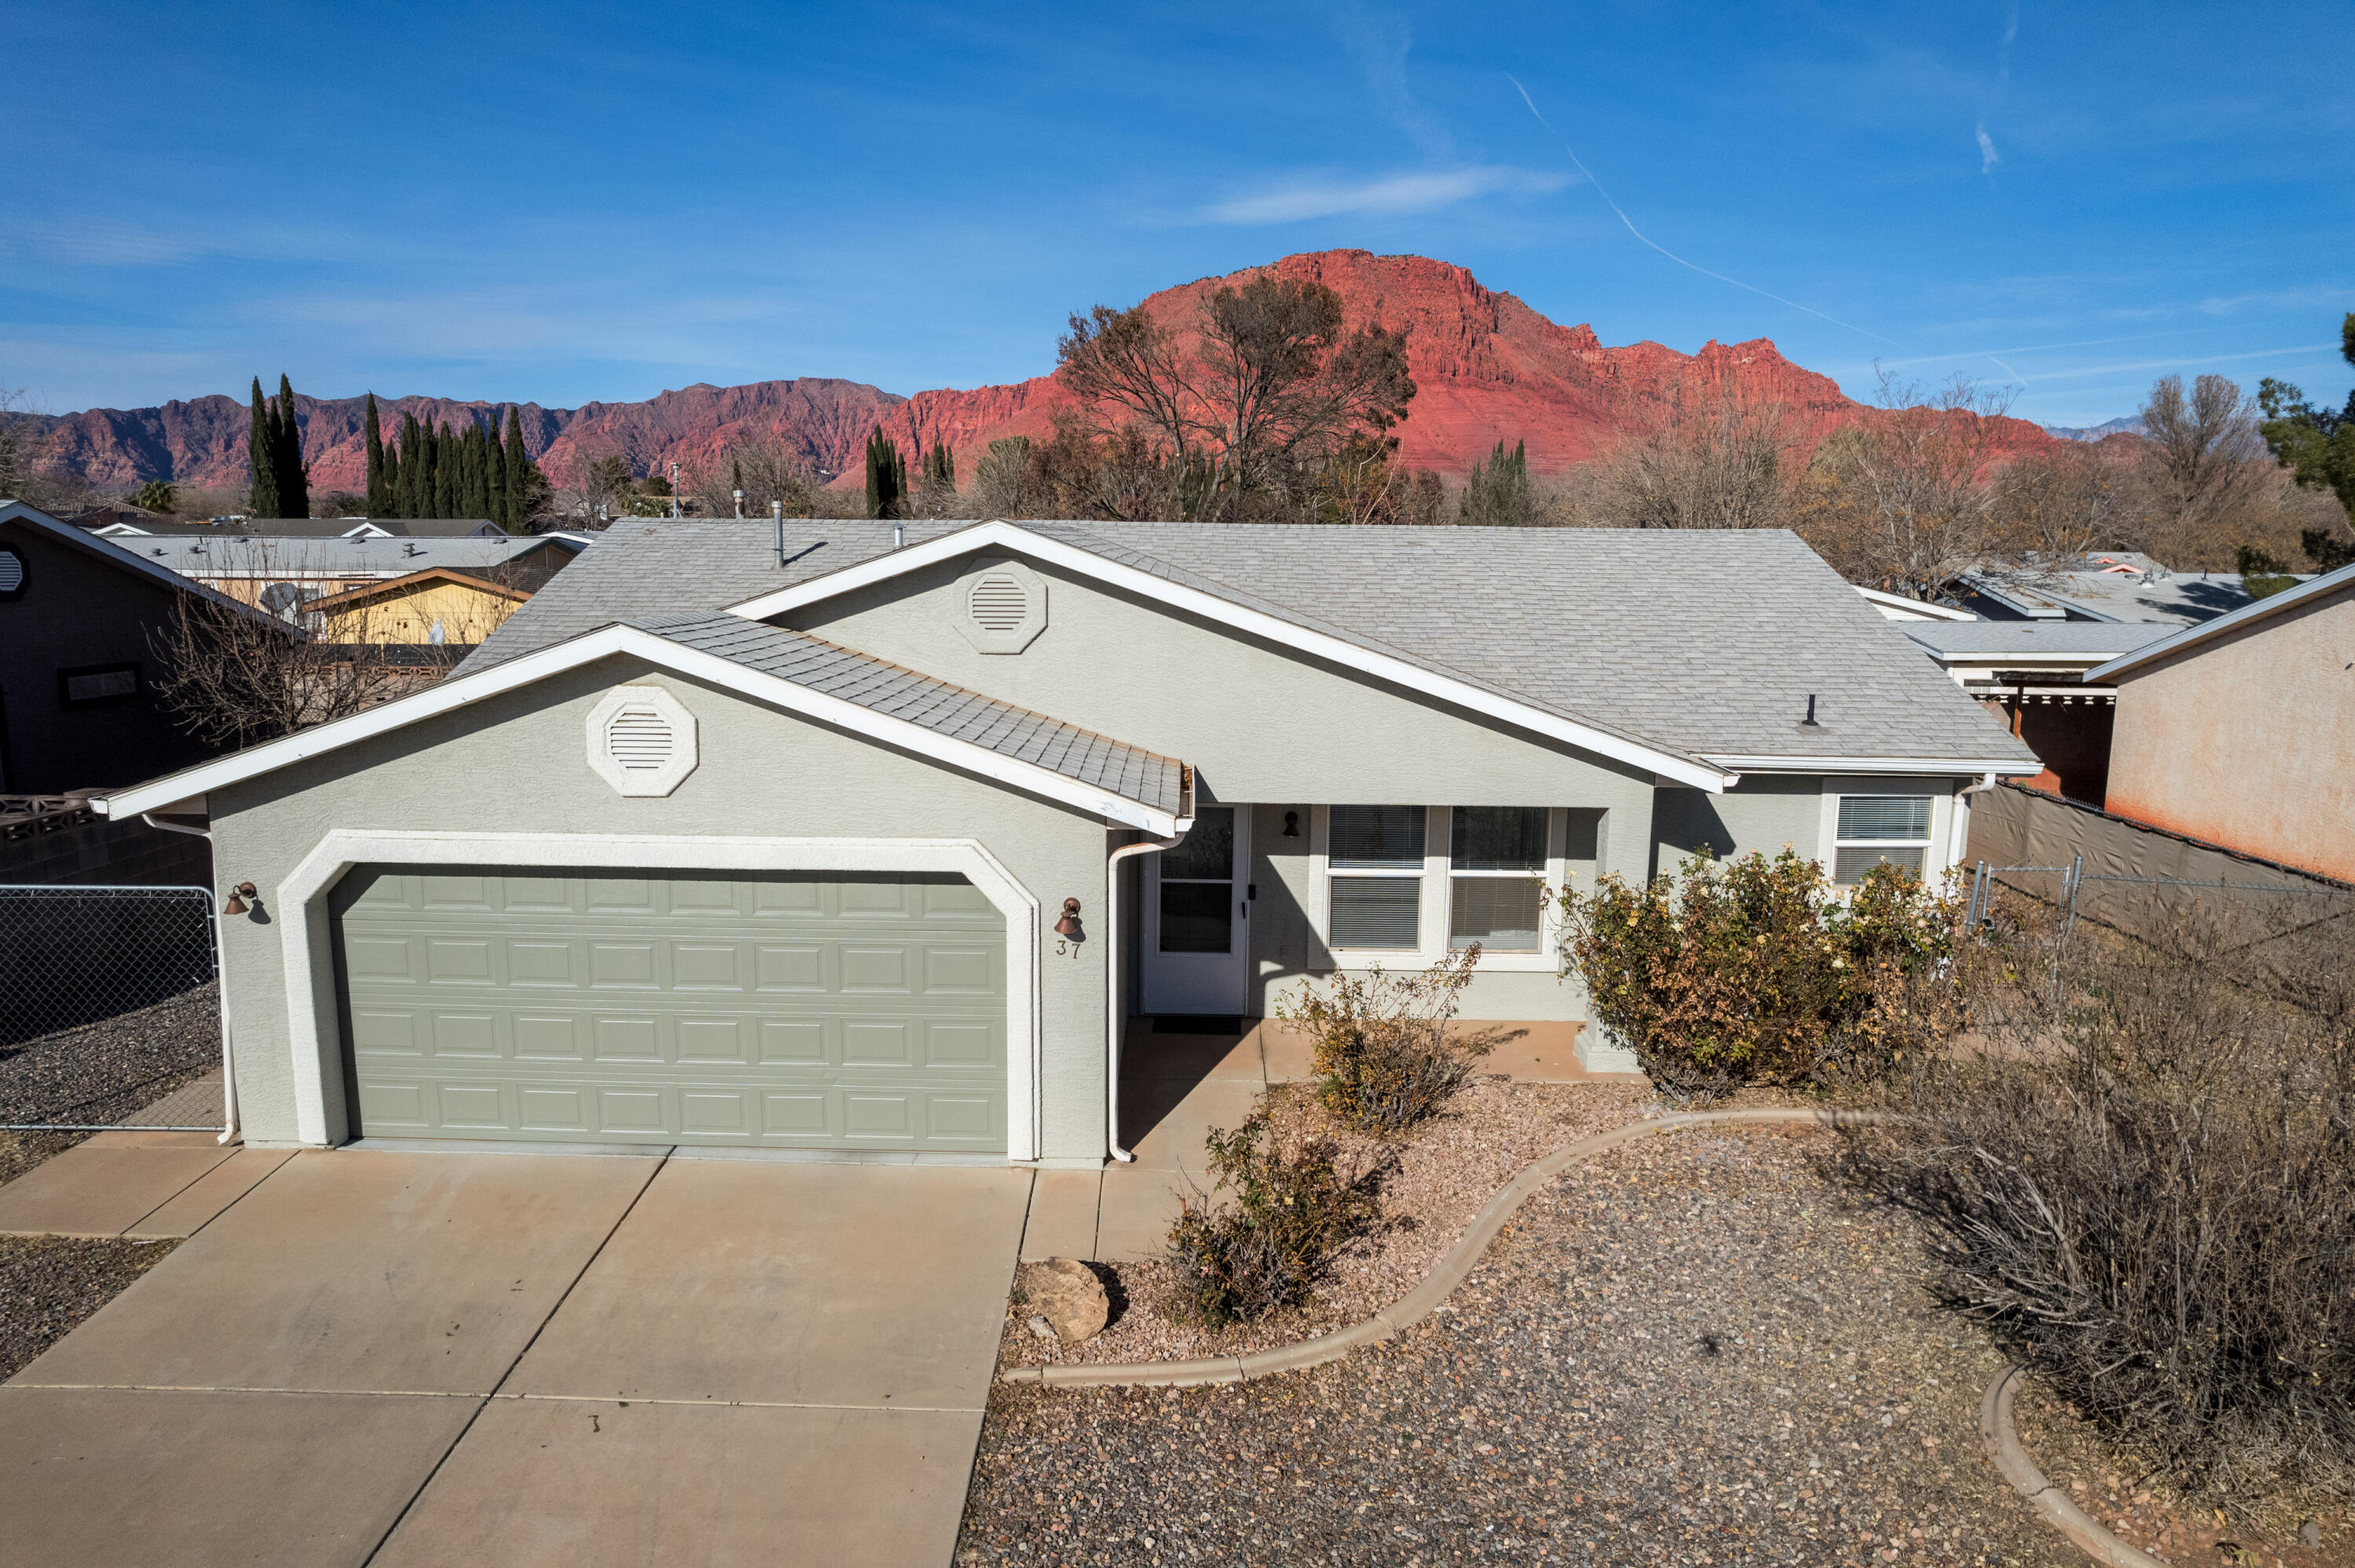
1898	606
80	620
280	572
2120	586
2241	730
795	840
146	526
2031	676
438	604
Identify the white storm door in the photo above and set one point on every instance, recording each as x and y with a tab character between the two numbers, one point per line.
1196	932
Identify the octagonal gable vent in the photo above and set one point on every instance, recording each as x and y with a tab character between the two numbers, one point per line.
1002	606
11	574
642	740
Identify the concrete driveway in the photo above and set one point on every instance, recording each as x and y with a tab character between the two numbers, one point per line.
517	1359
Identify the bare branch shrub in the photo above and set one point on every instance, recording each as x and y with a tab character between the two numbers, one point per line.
765	469
1912	499
1384	1049
1715	461
1290	1209
2145	1185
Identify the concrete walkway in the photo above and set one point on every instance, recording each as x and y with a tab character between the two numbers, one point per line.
409	1358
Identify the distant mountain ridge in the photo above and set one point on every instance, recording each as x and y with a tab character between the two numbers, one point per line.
2124	425
1486	368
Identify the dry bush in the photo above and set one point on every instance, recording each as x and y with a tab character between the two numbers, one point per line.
1384	1053
2144	1185
1266	1250
1758	971
1720	461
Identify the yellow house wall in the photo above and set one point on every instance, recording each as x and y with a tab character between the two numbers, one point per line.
468	615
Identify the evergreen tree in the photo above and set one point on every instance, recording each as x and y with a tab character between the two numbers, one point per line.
392	482
413	468
494	478
445	474
521	473
736	483
262	456
293	479
379	486
887	477
940	466
1499	491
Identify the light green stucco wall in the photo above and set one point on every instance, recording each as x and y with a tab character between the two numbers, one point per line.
517	763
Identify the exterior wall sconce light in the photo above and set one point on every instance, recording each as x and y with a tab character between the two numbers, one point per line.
236	904
1068	927
1291	824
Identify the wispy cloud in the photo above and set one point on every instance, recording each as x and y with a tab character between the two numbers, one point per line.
1988	158
1297	200
2180	364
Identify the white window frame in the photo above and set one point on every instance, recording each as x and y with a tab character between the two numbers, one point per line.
1436	912
1935	845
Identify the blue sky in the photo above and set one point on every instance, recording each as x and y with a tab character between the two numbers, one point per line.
583	202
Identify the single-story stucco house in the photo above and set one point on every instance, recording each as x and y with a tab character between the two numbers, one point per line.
845	834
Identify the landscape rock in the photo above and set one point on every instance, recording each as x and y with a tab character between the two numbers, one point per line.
1066	1294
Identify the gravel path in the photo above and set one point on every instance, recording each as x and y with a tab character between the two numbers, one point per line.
101	1071
1692	1348
49	1284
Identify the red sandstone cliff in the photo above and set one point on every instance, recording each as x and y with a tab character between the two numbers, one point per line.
1487	366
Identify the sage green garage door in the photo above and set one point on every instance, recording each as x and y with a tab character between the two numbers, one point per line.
779	1010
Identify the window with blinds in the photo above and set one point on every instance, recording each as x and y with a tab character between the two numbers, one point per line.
1874	830
1495	877
1374	881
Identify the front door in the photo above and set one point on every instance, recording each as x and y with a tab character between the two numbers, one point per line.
1196	917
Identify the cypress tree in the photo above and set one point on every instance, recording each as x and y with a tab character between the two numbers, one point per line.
887	476
940	465
445	474
495	478
261	455
392	485
378	493
413	465
293	479
519	474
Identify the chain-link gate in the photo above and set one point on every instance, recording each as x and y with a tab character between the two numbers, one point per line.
83	973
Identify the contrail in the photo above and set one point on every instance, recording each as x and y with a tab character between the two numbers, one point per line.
1664	249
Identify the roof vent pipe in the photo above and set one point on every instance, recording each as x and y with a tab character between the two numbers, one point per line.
777	514
898	534
1810	720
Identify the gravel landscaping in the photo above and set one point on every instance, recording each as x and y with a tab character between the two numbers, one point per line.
49	1284
1446	1171
100	1073
1691	1348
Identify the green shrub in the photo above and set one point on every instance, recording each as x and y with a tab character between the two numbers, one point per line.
1383	1053
1267	1248
1757	971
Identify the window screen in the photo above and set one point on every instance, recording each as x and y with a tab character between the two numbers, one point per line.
1500	838
1375	890
1375	836
1377	912
1497	864
1885	817
1850	865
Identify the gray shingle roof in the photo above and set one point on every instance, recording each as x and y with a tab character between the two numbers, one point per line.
1704	642
225	554
885	688
2097	638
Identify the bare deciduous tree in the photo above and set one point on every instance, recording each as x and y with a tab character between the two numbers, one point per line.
765	469
2206	481
1910	499
1715	461
240	675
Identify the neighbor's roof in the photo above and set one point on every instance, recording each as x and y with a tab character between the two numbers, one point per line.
935	704
1704	643
2159	597
1973	641
154	525
115	555
2329	585
232	555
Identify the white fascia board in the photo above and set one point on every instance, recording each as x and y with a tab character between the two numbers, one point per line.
2009	766
108	550
1672	765
2192	636
451	695
1921	608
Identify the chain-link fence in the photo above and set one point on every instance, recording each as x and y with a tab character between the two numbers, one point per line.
108	1000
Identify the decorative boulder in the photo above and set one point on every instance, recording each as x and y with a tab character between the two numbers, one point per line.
1068	1294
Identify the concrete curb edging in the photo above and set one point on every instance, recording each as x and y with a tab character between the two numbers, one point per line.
1425	1298
2004	1448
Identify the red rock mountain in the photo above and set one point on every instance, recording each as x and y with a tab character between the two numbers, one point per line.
1487	366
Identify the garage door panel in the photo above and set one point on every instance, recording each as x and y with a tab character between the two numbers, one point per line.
878	1022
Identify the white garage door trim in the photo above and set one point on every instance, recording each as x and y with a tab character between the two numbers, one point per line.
309	941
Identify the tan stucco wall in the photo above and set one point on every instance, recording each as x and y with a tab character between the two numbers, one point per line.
2249	740
518	763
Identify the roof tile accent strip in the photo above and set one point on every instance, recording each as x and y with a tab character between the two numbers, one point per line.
834	671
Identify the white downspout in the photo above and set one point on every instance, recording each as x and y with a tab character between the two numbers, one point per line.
1961	835
221	969
1115	1022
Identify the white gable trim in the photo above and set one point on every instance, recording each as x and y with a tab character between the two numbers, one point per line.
1897	607
2007	766
2249	614
113	554
465	691
307	939
999	534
